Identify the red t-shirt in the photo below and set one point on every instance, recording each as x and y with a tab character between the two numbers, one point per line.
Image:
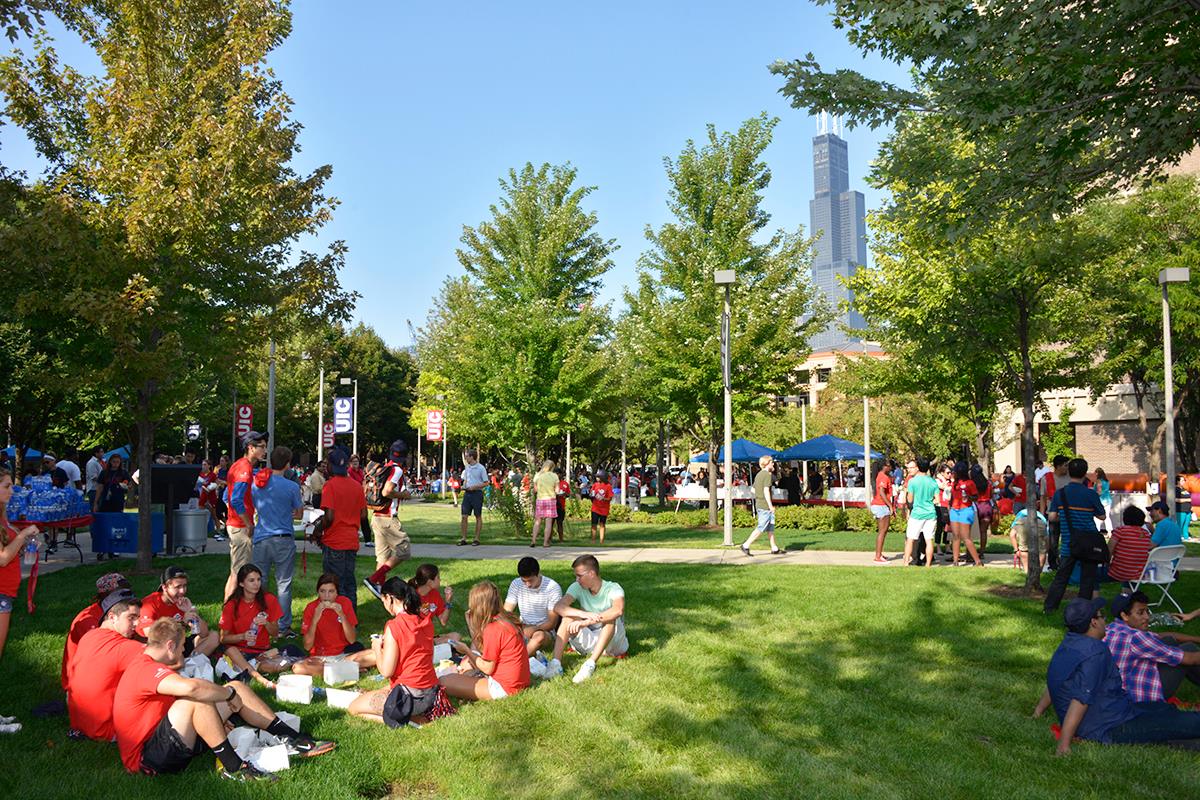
1018	489
1130	545
414	637
103	657
503	645
347	500
1050	486
433	604
237	616
10	573
883	489
602	495
355	474
563	490
138	708
962	494
329	638
155	608
84	621
241	472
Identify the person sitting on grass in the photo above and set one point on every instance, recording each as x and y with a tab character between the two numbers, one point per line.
249	621
1129	547
89	619
171	602
102	657
329	626
1083	684
502	668
428	584
1018	534
597	627
163	720
1152	665
535	597
404	655
602	494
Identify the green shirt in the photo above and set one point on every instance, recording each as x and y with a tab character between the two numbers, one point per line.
546	484
762	487
598	602
923	488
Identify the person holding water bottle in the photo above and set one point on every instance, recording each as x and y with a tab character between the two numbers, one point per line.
13	543
249	621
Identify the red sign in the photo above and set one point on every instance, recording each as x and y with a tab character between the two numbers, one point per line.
435	420
327	435
245	420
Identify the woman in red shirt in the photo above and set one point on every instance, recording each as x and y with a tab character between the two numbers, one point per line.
249	621
12	544
428	583
206	485
962	511
404	654
502	668
330	630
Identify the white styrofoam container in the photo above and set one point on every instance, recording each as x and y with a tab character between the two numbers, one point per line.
441	652
271	759
340	672
340	698
289	719
294	689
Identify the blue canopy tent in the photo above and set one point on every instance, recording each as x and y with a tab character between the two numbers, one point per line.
824	448
743	450
29	452
123	452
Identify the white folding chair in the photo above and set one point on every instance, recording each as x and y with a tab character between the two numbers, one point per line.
1161	570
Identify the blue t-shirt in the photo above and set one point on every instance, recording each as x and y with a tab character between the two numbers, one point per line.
1083	506
1083	669
275	503
1166	533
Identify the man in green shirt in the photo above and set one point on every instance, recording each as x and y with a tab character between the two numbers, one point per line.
923	519
764	505
597	626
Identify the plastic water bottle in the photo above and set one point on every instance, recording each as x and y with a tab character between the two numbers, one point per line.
31	552
252	634
194	625
1152	573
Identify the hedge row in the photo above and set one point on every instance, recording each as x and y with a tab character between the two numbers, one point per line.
808	518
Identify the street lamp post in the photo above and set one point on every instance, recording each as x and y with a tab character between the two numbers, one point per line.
354	433
1166	277
867	476
321	415
726	278
271	398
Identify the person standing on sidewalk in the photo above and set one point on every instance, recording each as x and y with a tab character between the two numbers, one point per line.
1048	485
474	481
391	542
343	501
1075	507
239	523
882	508
546	507
277	500
764	504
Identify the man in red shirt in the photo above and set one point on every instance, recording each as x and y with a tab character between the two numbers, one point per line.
882	507
561	493
239	524
343	502
391	542
88	619
1048	486
602	495
101	659
171	602
163	719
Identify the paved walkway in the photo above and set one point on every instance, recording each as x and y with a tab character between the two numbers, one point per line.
66	557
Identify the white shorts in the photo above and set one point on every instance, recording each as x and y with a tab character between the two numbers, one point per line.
916	527
584	642
881	511
495	689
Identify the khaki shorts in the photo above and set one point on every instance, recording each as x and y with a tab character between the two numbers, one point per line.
584	642
391	542
1023	537
241	545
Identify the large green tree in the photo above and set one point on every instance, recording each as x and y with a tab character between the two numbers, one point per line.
672	326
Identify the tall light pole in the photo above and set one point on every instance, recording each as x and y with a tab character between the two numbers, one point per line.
445	435
867	476
1166	277
321	415
726	278
271	397
354	440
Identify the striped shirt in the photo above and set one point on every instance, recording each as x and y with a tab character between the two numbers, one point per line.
1138	654
535	605
1130	546
1083	508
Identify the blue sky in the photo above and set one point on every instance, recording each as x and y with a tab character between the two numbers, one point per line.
420	108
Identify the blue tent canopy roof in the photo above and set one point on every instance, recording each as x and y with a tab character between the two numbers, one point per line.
29	452
743	450
825	448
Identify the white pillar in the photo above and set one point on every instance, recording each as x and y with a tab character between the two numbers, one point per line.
321	416
728	539
355	440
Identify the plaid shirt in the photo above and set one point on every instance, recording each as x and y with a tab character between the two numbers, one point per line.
1138	655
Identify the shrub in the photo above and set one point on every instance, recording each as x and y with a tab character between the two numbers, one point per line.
813	518
641	517
617	513
513	508
692	518
742	518
860	519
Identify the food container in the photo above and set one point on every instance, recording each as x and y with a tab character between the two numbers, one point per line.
442	652
294	689
340	698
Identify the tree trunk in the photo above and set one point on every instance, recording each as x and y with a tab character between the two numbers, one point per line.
1033	578
145	445
660	467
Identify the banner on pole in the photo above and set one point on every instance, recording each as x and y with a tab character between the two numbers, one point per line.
327	435
245	420
434	419
343	414
193	431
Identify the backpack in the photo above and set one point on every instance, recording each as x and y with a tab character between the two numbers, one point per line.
374	478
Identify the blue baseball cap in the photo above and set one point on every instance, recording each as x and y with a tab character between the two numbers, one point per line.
1079	613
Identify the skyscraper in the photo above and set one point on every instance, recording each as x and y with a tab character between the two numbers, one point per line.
838	219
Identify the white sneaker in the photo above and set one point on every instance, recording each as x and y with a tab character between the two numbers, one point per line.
586	671
7	720
10	727
553	669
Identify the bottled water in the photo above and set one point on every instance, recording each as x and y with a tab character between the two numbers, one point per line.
252	634
31	551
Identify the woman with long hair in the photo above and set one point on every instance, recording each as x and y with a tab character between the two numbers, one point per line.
13	543
330	631
1104	489
962	511
428	583
501	666
984	510
111	486
249	621
404	655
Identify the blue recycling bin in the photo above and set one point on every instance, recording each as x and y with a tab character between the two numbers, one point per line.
114	532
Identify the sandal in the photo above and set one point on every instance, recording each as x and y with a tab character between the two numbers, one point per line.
475	543
461	542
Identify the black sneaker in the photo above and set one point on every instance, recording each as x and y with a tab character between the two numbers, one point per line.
248	774
307	746
287	633
373	588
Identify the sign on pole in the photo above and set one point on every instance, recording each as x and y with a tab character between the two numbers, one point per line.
193	431
327	435
434	418
343	414
245	420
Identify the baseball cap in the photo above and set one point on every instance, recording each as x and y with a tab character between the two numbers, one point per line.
1120	604
1159	505
398	449
111	582
338	461
253	437
1079	612
119	596
173	572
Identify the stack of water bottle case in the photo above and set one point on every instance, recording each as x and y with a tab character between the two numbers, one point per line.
42	502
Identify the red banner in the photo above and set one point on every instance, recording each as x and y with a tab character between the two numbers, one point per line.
327	435
245	420
434	422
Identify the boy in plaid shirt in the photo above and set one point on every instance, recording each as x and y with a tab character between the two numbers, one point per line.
1152	667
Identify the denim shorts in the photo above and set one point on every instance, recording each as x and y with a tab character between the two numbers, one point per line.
964	516
6	603
766	519
880	512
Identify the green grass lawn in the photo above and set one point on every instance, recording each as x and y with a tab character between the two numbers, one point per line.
768	681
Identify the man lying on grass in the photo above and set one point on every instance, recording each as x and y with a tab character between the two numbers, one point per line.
597	627
1084	685
163	719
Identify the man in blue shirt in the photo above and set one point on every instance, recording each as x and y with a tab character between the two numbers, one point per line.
1084	686
277	501
1077	507
1166	532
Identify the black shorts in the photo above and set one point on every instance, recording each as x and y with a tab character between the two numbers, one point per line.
599	519
353	647
472	503
164	752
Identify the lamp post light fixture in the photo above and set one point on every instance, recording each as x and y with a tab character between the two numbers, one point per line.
347	382
1165	278
727	278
